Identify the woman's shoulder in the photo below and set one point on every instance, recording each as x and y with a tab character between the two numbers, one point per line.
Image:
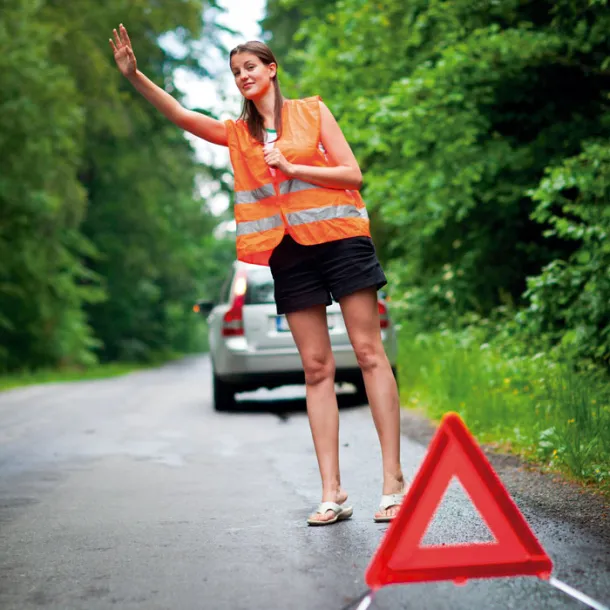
236	125
238	121
237	132
308	105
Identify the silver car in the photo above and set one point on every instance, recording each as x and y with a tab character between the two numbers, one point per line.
252	347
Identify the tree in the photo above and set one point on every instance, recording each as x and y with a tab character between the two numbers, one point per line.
455	111
282	21
103	244
43	283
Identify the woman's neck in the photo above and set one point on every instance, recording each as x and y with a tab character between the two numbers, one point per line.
266	107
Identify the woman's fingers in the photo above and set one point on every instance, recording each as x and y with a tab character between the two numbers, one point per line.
117	39
273	156
112	45
125	35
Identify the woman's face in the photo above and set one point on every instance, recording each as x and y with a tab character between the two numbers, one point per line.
252	76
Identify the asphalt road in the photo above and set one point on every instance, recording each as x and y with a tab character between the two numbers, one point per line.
133	493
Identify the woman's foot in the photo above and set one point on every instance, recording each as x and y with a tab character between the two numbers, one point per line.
338	497
391	486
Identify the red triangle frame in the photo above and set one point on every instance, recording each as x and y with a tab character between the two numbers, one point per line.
401	559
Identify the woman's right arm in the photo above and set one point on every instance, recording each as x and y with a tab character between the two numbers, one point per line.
196	123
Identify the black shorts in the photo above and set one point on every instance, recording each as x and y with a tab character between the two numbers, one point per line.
305	276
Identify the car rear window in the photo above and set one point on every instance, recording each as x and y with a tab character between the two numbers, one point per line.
260	287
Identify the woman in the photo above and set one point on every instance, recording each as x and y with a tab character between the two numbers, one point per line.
298	210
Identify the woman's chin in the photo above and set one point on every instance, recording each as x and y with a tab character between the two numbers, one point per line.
255	93
250	95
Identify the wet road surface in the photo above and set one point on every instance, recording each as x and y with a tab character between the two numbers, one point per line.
133	493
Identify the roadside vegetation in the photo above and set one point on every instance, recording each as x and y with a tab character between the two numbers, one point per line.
105	238
58	375
542	408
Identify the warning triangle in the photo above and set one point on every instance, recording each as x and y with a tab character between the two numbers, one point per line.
401	558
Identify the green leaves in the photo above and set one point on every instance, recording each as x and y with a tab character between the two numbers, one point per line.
455	111
573	200
41	200
102	234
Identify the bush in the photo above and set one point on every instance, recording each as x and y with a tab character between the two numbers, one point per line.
542	409
570	300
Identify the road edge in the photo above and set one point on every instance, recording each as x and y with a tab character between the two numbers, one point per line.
549	494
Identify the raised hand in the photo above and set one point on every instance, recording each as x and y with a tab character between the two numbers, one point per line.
123	53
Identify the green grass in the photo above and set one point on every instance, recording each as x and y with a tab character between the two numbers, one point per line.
100	371
544	411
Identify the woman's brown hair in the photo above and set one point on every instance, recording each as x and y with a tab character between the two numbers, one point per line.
249	112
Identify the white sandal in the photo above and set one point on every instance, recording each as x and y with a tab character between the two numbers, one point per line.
341	513
387	501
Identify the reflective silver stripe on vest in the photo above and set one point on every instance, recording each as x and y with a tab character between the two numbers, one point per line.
255	226
255	195
326	213
294	186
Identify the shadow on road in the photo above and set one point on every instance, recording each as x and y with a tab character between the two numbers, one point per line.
285	406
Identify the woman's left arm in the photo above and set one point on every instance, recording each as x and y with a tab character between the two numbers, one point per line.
345	173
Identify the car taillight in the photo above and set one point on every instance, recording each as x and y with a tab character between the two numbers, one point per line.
384	320
233	320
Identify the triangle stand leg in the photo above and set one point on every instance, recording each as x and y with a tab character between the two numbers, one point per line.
362	603
581	597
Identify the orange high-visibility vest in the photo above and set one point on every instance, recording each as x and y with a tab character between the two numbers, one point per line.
269	205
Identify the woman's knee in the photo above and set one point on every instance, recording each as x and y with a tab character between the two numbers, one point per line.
318	368
369	354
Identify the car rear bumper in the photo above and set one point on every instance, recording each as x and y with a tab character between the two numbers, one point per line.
236	363
235	358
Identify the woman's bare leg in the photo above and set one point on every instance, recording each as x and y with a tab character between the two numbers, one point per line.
310	330
361	316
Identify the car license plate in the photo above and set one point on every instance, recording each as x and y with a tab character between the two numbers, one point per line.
281	324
